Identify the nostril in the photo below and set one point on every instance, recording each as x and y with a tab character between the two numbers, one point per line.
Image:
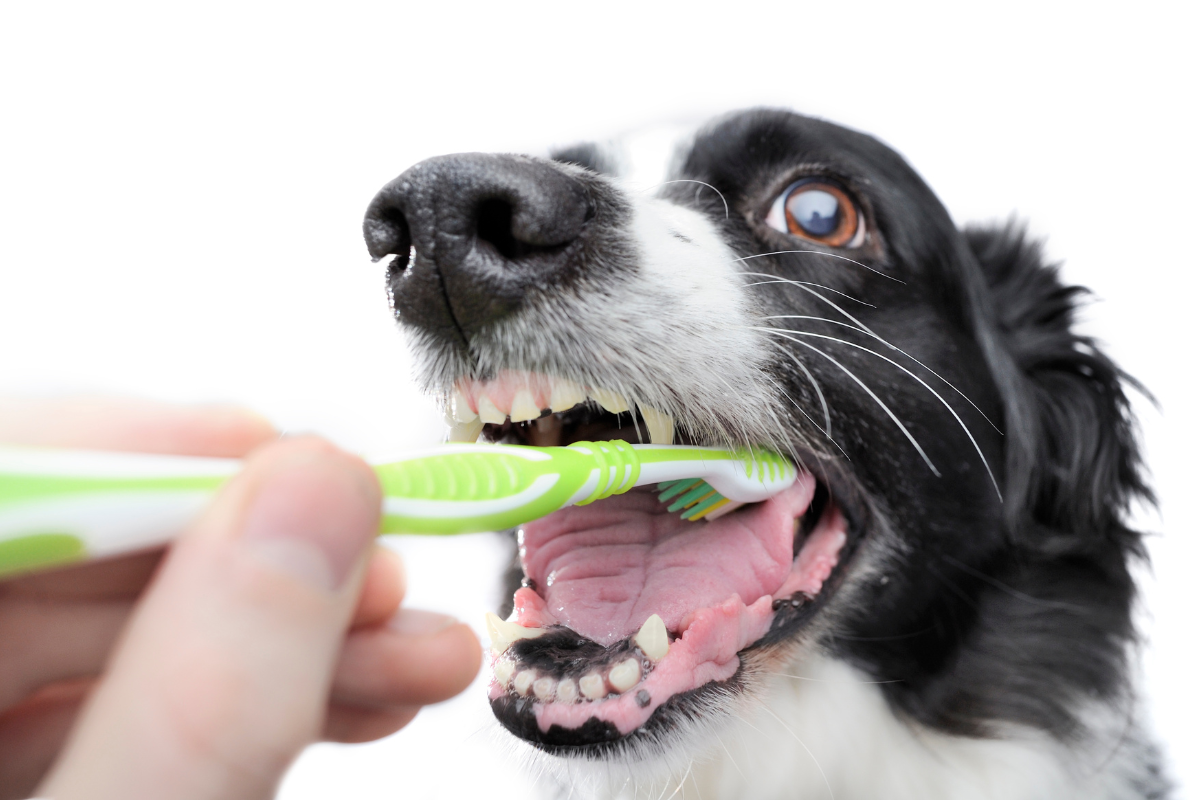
386	231
493	224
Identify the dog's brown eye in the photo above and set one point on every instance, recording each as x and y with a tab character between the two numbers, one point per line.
820	211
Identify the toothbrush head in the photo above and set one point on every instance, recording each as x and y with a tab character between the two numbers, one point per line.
728	485
695	499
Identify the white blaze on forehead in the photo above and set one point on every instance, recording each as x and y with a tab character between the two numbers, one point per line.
645	158
683	257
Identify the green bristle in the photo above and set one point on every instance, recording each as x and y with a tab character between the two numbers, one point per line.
675	487
703	507
691	497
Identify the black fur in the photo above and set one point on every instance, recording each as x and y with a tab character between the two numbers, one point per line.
1012	613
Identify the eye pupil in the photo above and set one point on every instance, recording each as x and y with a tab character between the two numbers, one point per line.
816	211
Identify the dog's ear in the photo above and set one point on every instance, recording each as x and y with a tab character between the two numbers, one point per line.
1073	461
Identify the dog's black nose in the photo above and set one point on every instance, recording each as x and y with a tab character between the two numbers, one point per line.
474	233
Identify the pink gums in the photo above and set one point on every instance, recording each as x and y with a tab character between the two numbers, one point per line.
602	569
503	388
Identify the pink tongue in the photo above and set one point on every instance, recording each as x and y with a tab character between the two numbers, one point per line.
602	569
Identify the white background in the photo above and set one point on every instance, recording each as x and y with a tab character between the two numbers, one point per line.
181	188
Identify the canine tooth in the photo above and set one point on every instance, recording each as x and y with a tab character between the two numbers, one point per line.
625	675
460	410
523	681
567	692
488	412
565	394
609	400
592	686
504	633
523	407
660	425
544	689
503	670
652	638
465	431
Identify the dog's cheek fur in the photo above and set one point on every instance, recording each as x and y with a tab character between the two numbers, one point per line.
1060	595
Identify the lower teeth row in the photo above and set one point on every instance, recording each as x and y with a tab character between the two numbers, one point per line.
622	677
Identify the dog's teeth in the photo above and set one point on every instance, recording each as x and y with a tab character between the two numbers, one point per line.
592	686
567	691
565	394
523	680
503	670
545	689
652	638
488	412
465	431
625	675
460	410
609	400
504	633
523	407
660	425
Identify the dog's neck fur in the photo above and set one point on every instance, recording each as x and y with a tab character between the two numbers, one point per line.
852	745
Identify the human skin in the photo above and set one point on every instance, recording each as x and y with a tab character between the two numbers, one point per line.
274	621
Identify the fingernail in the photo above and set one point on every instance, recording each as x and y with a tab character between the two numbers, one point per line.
417	622
313	519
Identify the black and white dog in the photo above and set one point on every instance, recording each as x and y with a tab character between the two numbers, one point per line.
940	607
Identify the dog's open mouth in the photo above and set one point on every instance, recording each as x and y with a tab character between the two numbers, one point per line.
625	606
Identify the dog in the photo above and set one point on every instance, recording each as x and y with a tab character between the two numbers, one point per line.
939	607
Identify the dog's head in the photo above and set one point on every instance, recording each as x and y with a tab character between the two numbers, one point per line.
791	284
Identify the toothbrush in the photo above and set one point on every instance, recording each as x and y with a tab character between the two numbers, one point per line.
62	506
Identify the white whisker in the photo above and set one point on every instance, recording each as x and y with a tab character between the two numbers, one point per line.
800	408
683	780
816	387
802	744
732	760
909	373
870	393
776	279
915	359
702	183
821	253
822	680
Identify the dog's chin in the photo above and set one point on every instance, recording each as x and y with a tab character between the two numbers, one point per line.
589	670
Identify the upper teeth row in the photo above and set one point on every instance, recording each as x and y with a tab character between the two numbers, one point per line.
651	638
467	422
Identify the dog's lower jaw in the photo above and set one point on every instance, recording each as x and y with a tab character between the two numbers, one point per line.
851	744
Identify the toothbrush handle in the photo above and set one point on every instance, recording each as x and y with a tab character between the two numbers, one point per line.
59	506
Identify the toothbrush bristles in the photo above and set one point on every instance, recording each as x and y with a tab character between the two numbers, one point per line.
695	498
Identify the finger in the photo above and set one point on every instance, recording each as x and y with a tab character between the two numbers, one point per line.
417	658
49	642
223	674
353	725
111	423
33	733
383	588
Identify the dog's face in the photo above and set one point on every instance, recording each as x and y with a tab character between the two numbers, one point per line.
792	284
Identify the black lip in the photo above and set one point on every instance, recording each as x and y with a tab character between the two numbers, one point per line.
598	740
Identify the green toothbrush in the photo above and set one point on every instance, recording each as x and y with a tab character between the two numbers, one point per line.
62	506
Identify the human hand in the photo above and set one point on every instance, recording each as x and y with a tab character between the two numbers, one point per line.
272	622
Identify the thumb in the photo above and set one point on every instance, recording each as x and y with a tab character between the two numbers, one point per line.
223	674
